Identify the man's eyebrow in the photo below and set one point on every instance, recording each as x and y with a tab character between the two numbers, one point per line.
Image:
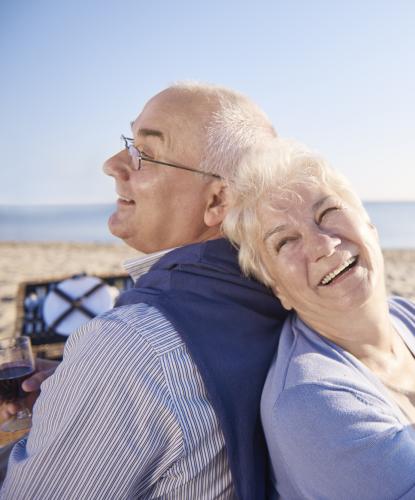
148	132
274	230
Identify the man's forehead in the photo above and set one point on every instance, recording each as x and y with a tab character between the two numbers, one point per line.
178	106
162	117
178	121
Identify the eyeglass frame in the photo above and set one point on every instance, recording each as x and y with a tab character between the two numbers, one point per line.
136	154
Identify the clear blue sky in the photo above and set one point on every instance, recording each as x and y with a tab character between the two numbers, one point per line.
339	76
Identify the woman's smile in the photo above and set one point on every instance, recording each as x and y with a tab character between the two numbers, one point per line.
341	271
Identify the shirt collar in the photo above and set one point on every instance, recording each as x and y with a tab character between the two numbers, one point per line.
137	266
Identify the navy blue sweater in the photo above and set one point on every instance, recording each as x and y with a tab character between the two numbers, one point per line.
231	326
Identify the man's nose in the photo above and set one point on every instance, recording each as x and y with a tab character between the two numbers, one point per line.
321	244
118	165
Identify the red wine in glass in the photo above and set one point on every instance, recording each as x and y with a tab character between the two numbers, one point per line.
11	378
16	364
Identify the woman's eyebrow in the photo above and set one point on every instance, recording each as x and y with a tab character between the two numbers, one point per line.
283	227
274	230
320	202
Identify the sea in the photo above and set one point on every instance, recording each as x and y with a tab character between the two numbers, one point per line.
88	223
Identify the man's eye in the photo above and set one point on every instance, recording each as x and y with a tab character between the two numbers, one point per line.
146	156
326	212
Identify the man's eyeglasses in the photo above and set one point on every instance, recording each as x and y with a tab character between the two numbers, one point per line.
138	157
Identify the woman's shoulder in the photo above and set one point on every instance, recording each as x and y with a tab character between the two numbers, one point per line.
323	389
305	357
403	312
308	368
403	308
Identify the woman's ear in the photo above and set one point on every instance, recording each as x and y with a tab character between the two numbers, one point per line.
285	302
218	203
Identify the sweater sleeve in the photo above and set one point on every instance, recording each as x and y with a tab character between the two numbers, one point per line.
340	443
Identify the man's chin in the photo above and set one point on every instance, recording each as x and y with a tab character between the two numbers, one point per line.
115	226
111	223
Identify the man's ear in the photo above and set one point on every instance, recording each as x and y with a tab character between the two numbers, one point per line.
218	203
285	302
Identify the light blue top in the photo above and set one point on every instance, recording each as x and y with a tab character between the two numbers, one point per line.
332	429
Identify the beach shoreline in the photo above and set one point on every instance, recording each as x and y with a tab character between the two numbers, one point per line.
29	261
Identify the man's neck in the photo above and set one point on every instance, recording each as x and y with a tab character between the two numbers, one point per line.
137	266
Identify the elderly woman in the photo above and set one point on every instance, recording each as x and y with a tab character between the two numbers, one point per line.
338	407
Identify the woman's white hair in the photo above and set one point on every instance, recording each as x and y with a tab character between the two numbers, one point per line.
275	171
234	127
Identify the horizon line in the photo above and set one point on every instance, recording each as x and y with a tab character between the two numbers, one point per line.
95	203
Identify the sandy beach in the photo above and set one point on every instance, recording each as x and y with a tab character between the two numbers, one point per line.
38	261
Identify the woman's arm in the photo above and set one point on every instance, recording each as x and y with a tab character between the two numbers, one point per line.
339	442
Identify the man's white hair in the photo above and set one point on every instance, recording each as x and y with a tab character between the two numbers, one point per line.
276	171
233	129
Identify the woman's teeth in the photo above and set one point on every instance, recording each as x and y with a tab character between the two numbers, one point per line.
330	277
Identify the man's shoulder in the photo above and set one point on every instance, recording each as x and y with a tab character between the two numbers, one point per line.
140	321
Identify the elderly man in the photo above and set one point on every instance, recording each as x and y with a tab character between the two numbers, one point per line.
159	397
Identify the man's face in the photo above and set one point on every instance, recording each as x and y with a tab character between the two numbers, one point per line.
160	207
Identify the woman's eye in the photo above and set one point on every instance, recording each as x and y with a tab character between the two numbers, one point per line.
282	243
326	212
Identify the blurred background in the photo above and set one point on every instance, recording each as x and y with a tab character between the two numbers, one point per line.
338	76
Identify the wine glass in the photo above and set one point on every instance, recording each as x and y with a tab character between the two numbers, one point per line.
16	364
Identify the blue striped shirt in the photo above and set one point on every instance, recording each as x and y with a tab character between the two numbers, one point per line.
126	415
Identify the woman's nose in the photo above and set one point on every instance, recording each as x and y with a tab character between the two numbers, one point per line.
321	244
118	165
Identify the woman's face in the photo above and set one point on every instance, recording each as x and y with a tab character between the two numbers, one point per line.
320	251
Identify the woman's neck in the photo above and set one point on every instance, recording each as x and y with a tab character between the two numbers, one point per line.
366	332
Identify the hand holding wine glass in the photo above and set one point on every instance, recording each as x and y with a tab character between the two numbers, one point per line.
44	368
16	364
